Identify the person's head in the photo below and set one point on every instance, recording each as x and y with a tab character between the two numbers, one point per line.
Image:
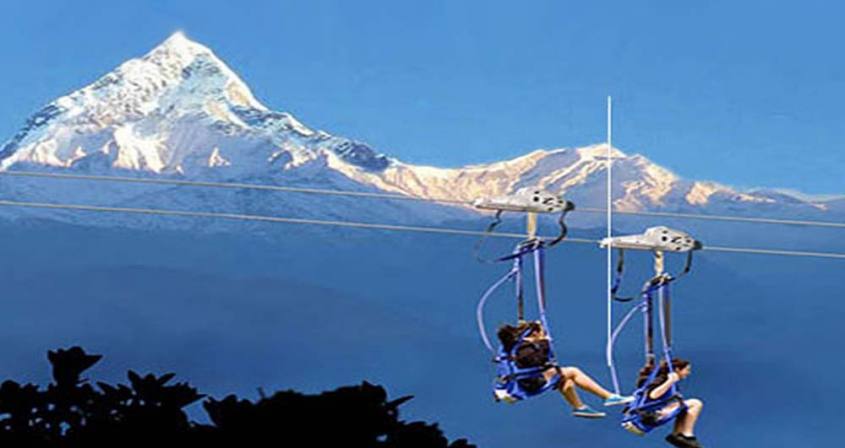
680	366
535	329
509	334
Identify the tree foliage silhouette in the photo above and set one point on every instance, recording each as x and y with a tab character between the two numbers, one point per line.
70	412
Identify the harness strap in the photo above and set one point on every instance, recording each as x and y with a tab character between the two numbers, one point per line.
614	336
663	315
645	402
539	277
561	222
497	219
515	272
617	279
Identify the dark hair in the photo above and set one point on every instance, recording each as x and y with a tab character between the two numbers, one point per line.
508	334
662	373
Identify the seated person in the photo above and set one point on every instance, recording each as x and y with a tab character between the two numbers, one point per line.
534	351
683	433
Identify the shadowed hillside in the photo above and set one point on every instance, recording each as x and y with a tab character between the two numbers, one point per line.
71	412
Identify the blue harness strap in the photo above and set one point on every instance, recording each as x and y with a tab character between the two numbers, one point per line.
646	295
646	413
510	378
514	274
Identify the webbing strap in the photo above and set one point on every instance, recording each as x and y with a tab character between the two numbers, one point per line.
663	292
616	331
617	279
479	310
539	266
672	393
643	306
561	222
520	295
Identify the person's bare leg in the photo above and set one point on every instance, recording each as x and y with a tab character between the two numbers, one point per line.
583	381
686	422
678	424
570	394
566	388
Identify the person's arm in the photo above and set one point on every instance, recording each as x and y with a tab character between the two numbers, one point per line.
658	391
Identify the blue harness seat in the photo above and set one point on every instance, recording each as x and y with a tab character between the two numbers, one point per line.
643	414
514	383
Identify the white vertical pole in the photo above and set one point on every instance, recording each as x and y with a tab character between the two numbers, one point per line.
609	205
531	225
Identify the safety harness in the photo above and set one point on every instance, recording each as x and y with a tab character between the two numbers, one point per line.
514	383
645	413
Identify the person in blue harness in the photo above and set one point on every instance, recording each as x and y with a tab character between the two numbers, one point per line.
685	411
527	368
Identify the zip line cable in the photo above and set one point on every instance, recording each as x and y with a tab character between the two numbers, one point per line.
401	197
372	226
232	185
273	219
795	253
701	216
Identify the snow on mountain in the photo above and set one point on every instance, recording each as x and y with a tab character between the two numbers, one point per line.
180	112
178	109
580	173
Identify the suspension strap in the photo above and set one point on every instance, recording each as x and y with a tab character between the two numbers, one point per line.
666	323
514	274
648	325
561	222
687	266
644	306
539	277
617	279
497	219
614	336
665	330
654	284
520	294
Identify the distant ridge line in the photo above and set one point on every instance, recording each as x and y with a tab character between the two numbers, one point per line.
397	196
373	226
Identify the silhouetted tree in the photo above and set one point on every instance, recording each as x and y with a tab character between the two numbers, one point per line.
148	410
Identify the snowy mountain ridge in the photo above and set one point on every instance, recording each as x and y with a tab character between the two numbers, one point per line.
179	111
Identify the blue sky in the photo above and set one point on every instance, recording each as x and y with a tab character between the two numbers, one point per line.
748	94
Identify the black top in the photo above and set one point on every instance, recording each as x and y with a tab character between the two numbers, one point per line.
532	354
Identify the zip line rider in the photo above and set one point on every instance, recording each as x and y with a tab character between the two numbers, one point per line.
534	351
685	410
657	397
525	360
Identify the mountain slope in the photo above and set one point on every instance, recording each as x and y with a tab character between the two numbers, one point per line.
180	112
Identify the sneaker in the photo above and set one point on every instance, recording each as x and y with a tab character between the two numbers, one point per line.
618	400
691	441
503	395
675	440
682	441
588	412
632	428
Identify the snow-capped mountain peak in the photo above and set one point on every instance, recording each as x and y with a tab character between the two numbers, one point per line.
183	60
179	110
152	113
